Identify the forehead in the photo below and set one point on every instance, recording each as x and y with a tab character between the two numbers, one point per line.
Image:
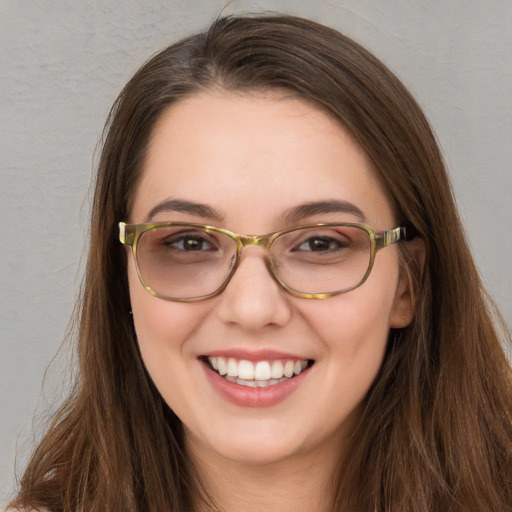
258	152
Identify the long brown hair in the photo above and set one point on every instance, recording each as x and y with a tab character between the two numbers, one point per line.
436	432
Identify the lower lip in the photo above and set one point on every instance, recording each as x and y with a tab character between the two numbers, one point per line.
245	396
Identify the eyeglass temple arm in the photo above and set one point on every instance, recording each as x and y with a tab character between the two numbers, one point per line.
394	235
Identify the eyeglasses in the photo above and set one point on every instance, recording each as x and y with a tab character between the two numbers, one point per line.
186	262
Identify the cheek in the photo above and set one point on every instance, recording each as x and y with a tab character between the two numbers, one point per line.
359	329
359	333
163	328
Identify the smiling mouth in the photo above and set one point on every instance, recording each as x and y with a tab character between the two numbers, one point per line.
260	374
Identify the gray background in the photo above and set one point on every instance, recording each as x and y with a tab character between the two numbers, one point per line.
63	62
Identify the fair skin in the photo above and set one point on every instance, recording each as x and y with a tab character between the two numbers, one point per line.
251	158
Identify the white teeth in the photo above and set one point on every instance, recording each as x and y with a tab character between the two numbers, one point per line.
277	370
257	383
262	370
245	370
261	374
249	383
221	365
288	368
232	367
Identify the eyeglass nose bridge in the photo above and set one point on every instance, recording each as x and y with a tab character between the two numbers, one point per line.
256	240
263	241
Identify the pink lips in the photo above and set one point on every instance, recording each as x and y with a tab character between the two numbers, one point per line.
256	355
245	396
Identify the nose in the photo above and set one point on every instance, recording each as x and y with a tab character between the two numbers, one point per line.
253	300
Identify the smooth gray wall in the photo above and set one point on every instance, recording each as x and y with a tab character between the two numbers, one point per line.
63	62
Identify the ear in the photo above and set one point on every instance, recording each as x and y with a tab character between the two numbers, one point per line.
404	305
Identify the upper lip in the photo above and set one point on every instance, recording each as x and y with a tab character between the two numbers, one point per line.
255	355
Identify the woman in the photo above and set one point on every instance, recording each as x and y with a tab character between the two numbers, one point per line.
338	353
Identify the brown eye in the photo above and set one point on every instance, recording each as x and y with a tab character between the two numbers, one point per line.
320	244
189	243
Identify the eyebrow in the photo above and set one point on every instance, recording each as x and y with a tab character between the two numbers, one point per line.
302	211
184	206
295	214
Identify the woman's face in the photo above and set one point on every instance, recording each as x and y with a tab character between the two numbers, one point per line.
243	162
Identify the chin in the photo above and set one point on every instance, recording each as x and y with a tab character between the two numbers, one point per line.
263	442
259	453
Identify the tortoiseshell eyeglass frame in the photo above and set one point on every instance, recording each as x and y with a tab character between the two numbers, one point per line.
129	234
